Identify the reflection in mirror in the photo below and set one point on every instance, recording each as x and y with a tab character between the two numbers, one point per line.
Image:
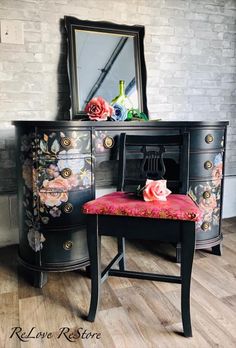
114	62
100	55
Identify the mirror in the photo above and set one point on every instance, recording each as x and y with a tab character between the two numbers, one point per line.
100	54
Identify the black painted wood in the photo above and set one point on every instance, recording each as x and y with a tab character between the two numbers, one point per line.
121	227
104	167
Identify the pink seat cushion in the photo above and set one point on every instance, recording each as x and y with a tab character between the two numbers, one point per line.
177	207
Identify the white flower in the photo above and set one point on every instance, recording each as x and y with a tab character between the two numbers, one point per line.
35	239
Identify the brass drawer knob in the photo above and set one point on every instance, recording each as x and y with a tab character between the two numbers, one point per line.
65	142
66	173
206	194
205	226
67	208
209	138
67	245
208	165
108	142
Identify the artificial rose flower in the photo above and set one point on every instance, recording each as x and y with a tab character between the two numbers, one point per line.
54	192
98	109
155	190
120	112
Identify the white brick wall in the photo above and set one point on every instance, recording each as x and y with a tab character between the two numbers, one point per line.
189	50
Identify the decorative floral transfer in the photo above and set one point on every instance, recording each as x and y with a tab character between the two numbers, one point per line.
208	194
50	172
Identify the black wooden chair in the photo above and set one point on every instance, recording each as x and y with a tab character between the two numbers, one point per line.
124	215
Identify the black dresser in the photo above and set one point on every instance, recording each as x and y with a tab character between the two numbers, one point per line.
61	163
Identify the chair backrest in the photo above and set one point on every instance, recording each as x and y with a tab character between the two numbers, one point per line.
154	157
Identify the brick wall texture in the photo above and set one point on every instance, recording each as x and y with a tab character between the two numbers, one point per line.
189	52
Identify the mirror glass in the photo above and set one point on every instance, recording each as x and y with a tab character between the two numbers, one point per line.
113	60
100	54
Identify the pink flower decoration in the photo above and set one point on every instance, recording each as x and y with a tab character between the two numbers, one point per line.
98	109
155	190
54	192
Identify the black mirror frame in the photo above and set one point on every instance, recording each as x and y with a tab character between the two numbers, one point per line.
71	24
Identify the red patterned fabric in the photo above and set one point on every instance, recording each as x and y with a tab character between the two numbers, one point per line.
176	207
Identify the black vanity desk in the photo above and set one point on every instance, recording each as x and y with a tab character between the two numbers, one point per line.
61	162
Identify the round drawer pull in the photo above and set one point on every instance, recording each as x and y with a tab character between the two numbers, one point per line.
205	226
66	173
208	165
209	138
67	245
65	142
108	142
206	194
67	208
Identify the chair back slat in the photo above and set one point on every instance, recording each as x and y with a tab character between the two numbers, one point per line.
156	157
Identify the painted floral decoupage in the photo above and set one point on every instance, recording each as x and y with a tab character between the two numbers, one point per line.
210	207
50	172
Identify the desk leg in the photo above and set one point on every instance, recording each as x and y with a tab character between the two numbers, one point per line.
40	279
217	249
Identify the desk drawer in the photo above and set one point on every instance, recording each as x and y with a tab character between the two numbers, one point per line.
54	142
208	165
59	210
64	246
208	196
206	139
107	140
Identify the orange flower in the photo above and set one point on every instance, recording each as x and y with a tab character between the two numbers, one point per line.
155	190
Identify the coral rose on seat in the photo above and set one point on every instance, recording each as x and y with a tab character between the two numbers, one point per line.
155	190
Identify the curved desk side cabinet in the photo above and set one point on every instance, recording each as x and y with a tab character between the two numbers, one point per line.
57	166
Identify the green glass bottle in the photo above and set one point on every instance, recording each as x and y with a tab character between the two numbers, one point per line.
122	98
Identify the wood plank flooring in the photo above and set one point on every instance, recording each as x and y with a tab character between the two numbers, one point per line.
133	313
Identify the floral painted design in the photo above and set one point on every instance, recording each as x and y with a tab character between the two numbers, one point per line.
45	189
210	206
35	239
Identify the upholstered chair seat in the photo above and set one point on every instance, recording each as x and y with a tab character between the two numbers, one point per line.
176	207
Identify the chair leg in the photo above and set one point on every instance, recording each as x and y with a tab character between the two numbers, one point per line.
178	252
94	247
187	253
121	249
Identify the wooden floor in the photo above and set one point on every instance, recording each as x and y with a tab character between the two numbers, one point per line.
133	313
